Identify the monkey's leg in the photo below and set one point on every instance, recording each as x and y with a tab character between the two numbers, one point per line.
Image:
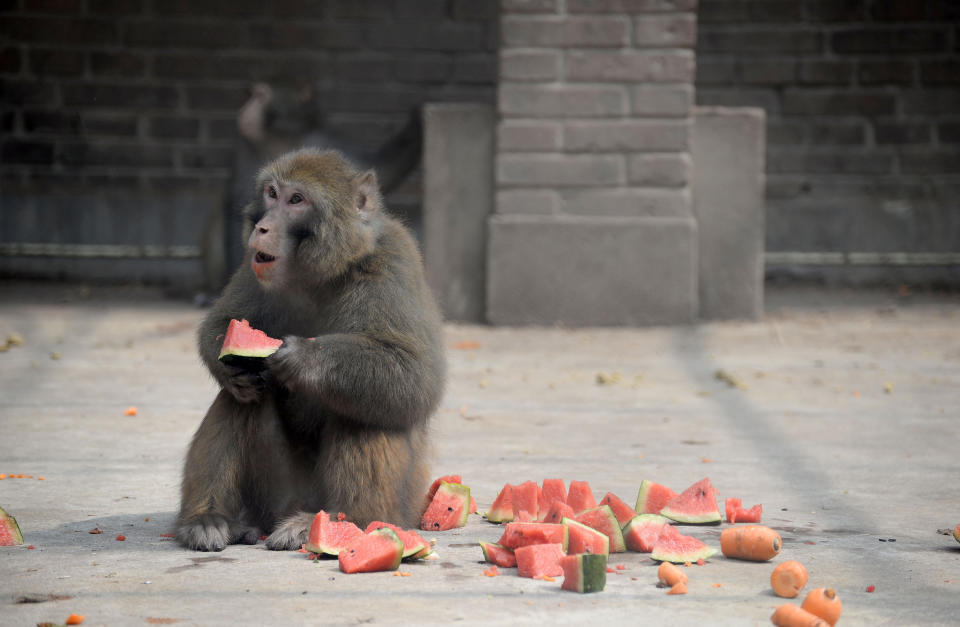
372	474
211	499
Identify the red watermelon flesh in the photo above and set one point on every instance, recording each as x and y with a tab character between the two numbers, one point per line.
539	560
372	552
673	546
502	508
558	511
580	496
499	555
330	537
642	532
10	534
553	490
695	505
245	346
518	534
652	497
526	499
584	573
584	539
602	519
736	513
448	509
413	544
621	510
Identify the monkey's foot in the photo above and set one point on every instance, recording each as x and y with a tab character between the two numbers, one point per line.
213	532
291	534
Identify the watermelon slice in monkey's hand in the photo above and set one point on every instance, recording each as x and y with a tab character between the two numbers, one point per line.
246	347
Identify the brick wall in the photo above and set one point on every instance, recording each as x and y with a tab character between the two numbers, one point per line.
863	108
139	96
593	219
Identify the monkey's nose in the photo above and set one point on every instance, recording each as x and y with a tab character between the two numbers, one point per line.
262	230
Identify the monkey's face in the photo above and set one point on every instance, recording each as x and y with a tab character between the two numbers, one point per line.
286	211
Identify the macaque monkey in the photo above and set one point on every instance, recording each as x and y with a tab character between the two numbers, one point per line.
337	419
281	116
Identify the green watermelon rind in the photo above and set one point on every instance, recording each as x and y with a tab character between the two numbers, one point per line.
590	573
499	511
9	524
682	499
570	523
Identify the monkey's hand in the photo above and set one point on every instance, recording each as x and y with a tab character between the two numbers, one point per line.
293	361
243	385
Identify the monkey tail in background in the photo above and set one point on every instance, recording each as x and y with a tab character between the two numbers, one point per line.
338	419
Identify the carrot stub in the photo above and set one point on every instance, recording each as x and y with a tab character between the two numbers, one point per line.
130	411
825	603
750	542
788	579
678	588
671	575
75	619
788	615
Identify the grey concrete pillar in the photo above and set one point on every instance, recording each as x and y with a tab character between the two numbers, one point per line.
458	194
728	200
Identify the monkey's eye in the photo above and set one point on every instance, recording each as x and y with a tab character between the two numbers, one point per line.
296	199
272	192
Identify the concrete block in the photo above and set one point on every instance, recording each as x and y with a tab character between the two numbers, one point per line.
591	271
458	197
630	66
630	135
523	100
559	170
728	188
628	201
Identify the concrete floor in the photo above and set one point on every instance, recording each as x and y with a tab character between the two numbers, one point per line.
846	430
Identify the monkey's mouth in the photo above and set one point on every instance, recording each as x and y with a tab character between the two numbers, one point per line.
262	257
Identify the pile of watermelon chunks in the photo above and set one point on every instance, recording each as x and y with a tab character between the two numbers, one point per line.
382	545
547	524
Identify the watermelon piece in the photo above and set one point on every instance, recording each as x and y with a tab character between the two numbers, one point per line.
414	545
10	534
695	505
439	480
652	497
473	506
584	573
553	491
246	347
330	538
642	532
372	552
497	554
736	513
539	560
621	510
502	509
956	530
526	499
558	511
580	496
673	546
518	534
602	519
448	509
584	539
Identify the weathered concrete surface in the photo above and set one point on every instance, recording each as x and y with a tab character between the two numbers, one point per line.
837	462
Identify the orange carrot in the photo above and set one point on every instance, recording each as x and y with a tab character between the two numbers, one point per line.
130	411
678	588
788	615
2	476
750	542
75	619
671	575
788	578
825	603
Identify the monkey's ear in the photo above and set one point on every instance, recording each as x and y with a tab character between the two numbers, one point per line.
365	196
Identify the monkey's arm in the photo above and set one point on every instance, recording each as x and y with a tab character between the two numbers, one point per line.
386	382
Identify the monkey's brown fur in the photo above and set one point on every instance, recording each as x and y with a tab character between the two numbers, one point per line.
338	419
